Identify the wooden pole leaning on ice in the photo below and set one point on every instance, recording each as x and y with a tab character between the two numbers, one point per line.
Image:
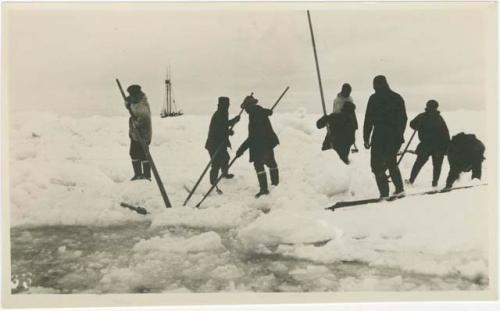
234	159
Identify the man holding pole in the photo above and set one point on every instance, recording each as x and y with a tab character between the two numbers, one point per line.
434	139
261	141
386	116
218	137
138	105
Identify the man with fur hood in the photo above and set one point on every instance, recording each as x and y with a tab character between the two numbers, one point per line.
218	139
386	117
342	126
343	97
465	154
261	141
137	104
434	138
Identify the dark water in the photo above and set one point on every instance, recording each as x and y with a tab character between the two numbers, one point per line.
85	259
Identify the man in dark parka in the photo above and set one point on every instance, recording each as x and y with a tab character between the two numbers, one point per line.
434	139
386	117
465	154
218	137
343	126
138	105
261	141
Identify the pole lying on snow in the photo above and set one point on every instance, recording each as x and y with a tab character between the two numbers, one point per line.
234	159
146	151
406	148
318	73
137	209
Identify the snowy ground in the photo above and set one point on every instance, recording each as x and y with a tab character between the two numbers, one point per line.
69	175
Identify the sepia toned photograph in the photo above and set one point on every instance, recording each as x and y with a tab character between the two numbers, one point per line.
186	153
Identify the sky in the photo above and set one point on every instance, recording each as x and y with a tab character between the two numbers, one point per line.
64	58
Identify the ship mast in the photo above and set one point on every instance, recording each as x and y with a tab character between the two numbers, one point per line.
169	109
167	101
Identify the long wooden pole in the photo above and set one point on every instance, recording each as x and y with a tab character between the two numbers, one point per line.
146	151
318	73
279	98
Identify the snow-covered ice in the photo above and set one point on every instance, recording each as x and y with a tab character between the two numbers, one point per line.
75	171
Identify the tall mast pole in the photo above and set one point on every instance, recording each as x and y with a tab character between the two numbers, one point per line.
168	92
164	109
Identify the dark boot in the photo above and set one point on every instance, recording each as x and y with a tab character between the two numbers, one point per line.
417	166
146	167
453	176
397	180
275	176
437	163
214	172
225	167
436	173
383	185
218	190
262	177
136	165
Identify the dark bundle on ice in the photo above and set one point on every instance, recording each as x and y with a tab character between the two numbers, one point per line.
465	154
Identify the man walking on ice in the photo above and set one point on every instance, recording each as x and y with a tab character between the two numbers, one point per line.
386	116
140	117
261	141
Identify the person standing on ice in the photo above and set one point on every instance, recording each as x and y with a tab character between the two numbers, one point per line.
386	117
343	126
465	154
138	105
261	141
343	97
434	139
218	139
